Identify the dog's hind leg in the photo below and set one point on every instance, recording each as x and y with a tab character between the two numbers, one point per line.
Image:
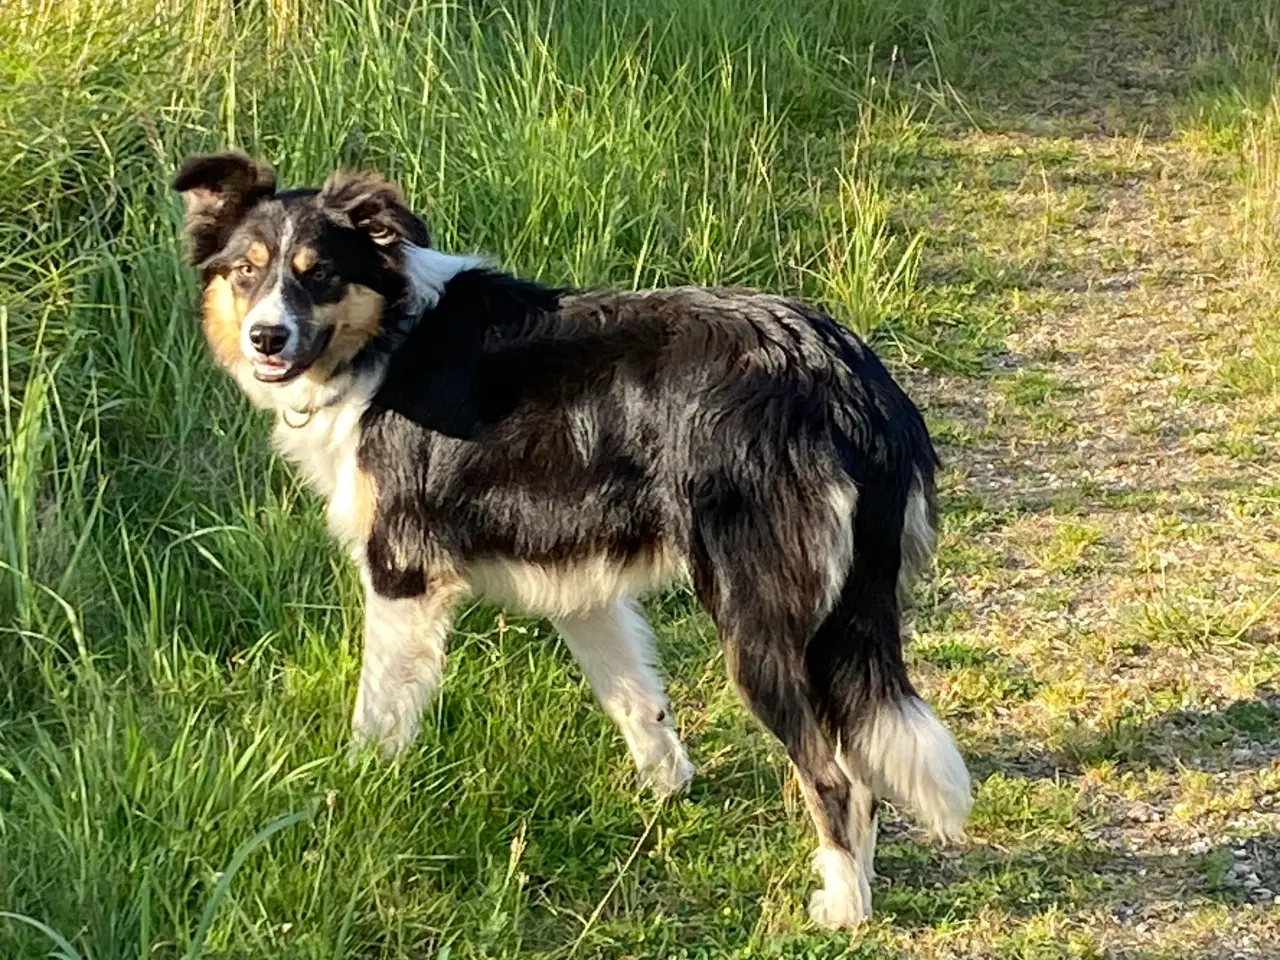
863	812
767	590
614	647
772	684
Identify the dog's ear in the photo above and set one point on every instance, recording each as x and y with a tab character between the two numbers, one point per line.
219	189
367	202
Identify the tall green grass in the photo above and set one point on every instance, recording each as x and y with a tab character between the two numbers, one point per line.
178	630
1236	45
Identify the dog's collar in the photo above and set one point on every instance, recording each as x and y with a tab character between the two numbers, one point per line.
304	417
353	382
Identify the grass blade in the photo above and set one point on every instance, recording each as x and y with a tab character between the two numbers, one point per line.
196	948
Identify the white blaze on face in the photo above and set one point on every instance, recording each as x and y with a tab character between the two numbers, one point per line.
271	310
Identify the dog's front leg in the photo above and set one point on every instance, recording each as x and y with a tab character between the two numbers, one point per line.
404	647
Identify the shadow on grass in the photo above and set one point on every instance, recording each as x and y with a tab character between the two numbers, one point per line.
1110	66
923	890
1242	735
1046	848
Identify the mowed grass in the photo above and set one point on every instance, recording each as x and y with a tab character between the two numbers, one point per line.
180	638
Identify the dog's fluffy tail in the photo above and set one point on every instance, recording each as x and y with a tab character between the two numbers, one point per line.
914	761
887	735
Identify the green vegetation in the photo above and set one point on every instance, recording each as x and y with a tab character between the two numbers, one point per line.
1058	221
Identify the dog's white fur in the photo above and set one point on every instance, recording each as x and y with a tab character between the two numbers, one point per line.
429	271
862	812
570	589
845	897
910	757
918	539
614	646
837	557
402	666
323	445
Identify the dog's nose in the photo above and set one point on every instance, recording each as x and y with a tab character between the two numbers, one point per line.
268	338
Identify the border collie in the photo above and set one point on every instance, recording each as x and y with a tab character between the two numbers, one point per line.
563	451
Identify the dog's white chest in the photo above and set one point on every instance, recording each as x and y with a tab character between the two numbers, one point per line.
324	448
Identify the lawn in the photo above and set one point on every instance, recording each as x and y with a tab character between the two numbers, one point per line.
1058	221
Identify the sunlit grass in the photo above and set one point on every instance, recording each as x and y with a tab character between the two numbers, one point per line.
177	633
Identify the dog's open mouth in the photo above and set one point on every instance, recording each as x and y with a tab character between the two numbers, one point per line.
278	369
273	369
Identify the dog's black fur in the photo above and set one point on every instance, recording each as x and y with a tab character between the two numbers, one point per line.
746	439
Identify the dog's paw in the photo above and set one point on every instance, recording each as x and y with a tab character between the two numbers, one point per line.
845	898
671	773
359	748
390	733
837	910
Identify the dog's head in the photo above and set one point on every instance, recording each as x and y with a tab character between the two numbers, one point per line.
298	283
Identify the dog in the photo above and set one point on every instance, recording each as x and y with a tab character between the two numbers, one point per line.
563	451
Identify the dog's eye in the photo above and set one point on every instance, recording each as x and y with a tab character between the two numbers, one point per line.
319	273
246	271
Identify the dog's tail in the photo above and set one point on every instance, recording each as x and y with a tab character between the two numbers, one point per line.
885	732
913	760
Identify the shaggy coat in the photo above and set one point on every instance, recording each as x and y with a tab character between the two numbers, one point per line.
564	451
